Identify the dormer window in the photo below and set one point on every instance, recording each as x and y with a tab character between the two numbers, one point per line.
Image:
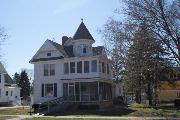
49	54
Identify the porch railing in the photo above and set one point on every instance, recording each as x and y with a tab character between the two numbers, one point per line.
46	107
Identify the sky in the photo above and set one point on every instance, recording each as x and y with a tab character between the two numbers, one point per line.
28	23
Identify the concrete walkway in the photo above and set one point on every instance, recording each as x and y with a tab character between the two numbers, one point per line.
9	107
21	117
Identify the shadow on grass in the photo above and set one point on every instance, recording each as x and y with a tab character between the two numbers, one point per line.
113	111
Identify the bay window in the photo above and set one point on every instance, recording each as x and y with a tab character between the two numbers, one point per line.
86	66
79	67
94	66
72	67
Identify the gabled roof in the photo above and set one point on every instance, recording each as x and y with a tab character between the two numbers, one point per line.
8	79
82	33
59	47
65	50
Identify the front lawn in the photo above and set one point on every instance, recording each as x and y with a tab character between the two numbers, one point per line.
15	111
7	117
164	110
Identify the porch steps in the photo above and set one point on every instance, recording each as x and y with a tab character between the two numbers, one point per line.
53	106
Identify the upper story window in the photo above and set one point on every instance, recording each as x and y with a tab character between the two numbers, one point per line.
103	67
86	66
94	66
84	50
107	68
72	67
100	67
66	68
49	69
49	54
79	67
46	68
6	93
11	93
52	69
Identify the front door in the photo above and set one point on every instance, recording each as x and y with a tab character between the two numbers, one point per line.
71	91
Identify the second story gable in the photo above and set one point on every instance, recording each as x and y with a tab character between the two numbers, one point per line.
5	79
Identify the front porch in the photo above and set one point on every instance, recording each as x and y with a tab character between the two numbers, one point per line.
87	92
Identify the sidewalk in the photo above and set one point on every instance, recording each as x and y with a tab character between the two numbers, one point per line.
7	107
20	117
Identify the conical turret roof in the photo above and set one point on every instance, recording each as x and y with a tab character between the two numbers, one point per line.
82	33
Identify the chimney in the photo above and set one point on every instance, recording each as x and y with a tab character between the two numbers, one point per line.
64	39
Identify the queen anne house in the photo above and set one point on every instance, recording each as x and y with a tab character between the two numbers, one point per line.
9	91
74	69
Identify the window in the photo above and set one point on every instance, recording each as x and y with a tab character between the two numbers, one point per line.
66	68
0	78
84	50
86	66
11	93
49	92
94	66
6	93
48	54
79	67
46	67
100	67
107	68
103	67
52	69
72	67
49	69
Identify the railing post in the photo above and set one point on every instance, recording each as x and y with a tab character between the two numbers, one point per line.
48	107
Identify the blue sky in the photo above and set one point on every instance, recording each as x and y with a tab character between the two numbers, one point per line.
29	23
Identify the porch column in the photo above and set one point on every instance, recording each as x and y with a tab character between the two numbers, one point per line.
80	91
98	92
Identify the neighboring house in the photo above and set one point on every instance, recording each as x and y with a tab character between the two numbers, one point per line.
9	92
169	92
74	69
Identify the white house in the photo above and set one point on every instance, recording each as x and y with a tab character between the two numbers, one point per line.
74	69
9	92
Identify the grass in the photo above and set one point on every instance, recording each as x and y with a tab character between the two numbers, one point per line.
164	110
15	111
135	110
46	118
7	117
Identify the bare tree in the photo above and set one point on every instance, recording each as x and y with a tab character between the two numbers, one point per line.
117	39
161	16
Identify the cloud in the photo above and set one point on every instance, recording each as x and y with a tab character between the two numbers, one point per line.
69	5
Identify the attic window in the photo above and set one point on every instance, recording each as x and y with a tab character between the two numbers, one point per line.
48	54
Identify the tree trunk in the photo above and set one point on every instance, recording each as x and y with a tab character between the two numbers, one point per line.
138	96
149	94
